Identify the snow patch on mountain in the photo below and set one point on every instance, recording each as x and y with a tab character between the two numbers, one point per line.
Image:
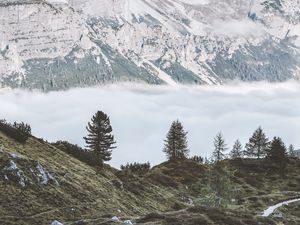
70	43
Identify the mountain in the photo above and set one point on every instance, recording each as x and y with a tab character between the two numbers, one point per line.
40	183
58	44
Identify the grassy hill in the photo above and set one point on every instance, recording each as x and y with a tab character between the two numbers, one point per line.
40	183
81	191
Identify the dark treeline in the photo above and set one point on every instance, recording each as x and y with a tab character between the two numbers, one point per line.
137	168
258	147
219	188
18	131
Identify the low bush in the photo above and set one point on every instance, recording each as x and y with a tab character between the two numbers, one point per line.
197	159
137	168
77	152
18	131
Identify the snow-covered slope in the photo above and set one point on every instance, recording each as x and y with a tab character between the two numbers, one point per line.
56	44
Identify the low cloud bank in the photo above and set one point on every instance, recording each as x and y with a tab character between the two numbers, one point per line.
141	115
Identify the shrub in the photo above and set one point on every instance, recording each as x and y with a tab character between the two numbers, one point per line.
18	131
197	159
137	168
23	127
77	152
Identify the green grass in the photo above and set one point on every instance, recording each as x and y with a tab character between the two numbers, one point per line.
86	194
83	192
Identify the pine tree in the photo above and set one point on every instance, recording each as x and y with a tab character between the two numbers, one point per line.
219	190
291	151
220	185
237	150
258	144
100	139
277	152
220	148
176	145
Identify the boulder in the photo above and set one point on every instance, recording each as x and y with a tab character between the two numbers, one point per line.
55	222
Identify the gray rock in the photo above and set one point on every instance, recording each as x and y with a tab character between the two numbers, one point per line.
55	222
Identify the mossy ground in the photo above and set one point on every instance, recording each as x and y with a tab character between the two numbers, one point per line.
83	192
90	196
291	213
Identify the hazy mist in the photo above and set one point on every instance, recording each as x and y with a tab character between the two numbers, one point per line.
141	115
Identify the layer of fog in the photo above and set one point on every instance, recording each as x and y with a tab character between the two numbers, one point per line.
141	115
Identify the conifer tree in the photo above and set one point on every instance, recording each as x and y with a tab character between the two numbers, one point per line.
291	151
176	145
100	139
277	152
237	150
220	185
258	144
220	148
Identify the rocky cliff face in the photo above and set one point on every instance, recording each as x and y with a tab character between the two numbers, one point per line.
59	44
31	31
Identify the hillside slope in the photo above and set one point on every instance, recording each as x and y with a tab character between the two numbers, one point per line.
76	191
39	183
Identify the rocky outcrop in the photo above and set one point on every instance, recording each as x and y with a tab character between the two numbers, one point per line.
57	44
21	171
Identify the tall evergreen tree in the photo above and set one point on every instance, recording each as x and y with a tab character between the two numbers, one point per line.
176	145
277	152
219	185
100	139
237	150
258	144
291	151
220	148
